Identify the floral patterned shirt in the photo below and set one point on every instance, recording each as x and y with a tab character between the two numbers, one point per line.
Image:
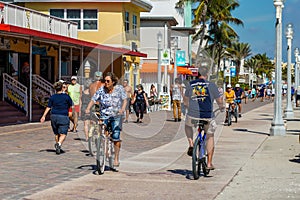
110	104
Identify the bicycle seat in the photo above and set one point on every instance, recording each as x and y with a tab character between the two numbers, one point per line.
199	122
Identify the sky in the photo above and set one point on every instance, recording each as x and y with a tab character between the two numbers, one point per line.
259	31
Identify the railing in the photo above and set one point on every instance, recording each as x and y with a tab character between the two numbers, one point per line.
15	92
31	19
41	90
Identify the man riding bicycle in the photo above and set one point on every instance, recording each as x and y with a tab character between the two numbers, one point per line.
240	94
229	97
112	99
199	98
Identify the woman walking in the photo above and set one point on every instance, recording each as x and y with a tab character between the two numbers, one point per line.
140	100
59	105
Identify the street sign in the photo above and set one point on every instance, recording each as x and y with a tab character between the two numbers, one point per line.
227	72
165	57
180	58
232	71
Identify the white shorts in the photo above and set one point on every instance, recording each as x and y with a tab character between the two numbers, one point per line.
209	128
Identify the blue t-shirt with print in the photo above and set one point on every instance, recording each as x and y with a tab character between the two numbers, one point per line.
201	94
110	104
60	104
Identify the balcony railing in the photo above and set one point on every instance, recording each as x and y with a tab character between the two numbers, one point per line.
23	17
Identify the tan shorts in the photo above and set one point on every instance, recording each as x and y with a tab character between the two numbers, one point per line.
209	128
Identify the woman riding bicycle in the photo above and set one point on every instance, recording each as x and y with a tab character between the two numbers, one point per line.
229	96
111	97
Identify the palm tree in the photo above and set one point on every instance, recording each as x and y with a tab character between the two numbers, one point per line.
239	51
265	65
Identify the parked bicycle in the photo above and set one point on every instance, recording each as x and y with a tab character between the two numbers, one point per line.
199	157
101	145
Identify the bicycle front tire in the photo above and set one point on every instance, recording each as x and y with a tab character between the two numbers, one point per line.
195	159
229	117
100	156
92	143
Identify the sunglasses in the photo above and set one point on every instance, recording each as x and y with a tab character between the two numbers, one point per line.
107	81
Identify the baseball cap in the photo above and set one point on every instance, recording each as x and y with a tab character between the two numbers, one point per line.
237	85
228	86
98	75
74	77
62	81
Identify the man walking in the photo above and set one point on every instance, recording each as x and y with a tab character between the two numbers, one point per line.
75	92
128	90
177	94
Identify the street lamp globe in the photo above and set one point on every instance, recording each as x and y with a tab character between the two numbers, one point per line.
159	36
289	31
296	52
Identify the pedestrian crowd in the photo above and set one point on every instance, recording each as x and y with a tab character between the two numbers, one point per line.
114	101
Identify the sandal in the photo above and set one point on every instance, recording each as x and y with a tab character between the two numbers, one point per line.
210	168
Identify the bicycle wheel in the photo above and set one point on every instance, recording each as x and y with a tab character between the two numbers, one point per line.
195	159
111	154
100	156
236	114
92	143
229	117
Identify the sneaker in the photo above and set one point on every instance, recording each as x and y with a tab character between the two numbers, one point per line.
240	115
190	151
57	148
126	121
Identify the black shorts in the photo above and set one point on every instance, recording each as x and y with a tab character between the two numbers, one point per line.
128	104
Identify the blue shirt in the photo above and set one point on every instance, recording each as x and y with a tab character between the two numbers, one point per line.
60	104
238	92
110	104
201	94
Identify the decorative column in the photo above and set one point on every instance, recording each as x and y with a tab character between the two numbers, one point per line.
297	60
277	126
175	61
289	113
159	49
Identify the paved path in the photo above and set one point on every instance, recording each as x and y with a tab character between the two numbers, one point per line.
154	164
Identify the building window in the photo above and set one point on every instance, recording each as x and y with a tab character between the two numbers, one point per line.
87	19
126	22
134	24
90	20
57	13
74	15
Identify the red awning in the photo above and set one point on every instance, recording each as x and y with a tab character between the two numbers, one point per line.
152	68
54	37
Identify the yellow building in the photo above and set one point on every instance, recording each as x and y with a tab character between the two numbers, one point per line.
113	23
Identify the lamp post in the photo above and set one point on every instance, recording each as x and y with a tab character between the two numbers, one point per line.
277	126
289	113
175	64
296	68
159	49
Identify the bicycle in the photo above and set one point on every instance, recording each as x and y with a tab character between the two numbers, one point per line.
101	145
232	112
199	157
